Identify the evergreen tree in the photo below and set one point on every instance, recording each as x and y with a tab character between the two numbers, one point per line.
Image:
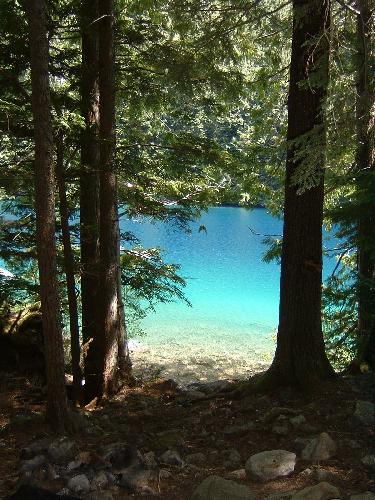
57	409
300	358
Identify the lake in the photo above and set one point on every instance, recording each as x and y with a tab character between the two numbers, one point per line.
230	329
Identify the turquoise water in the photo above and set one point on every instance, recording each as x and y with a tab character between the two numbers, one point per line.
230	328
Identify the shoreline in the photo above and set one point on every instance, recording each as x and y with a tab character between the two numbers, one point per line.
189	365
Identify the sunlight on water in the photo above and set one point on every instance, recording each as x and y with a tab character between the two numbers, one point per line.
229	331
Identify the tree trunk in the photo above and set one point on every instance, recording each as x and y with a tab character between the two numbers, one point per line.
56	409
75	345
89	195
300	358
109	323
365	160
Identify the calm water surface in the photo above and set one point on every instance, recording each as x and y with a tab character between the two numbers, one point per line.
230	328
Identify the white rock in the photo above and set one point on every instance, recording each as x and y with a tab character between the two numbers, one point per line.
321	448
217	488
79	484
321	491
269	465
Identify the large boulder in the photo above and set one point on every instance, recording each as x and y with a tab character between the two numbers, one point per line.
321	491
269	465
218	488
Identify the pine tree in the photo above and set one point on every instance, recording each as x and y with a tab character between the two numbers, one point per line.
300	358
57	409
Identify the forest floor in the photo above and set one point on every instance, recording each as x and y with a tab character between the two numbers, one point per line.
213	436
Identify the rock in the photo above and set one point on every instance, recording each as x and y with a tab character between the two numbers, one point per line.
325	475
79	484
237	474
121	455
321	448
100	481
321	491
269	465
217	488
98	495
367	495
171	457
34	463
170	439
38	447
232	458
309	429
297	421
276	411
238	430
62	450
149	460
164	474
369	461
365	412
196	458
280	430
281	496
139	480
193	395
30	492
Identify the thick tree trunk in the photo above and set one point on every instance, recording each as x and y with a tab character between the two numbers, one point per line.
300	358
365	160
89	197
75	345
57	409
110	302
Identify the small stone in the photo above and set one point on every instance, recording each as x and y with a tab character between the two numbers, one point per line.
237	474
196	458
149	460
369	461
139	480
100	481
62	450
34	463
171	457
165	474
365	412
367	495
38	447
276	411
121	454
238	430
321	491
232	458
73	465
321	448
269	465
280	430
99	495
297	421
217	488
79	484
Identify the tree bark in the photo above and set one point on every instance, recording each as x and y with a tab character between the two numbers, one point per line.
110	301
365	161
75	345
56	408
89	195
300	358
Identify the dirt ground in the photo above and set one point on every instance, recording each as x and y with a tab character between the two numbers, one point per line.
154	418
